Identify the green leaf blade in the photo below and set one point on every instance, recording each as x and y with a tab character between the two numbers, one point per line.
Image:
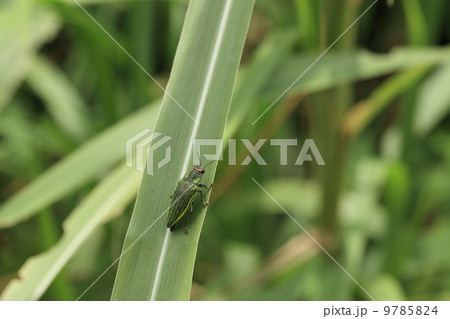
158	264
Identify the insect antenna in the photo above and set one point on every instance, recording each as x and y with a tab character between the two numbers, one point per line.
199	158
208	164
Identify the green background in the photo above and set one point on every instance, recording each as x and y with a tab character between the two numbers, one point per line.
376	104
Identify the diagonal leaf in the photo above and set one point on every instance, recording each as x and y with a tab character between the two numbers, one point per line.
158	264
112	195
339	67
361	115
83	165
434	101
61	98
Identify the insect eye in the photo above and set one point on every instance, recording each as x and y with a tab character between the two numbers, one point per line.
199	169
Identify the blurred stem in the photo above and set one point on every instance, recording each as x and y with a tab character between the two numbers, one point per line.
328	108
398	195
308	19
108	105
326	123
143	28
177	12
100	50
416	23
434	12
417	29
420	32
398	246
407	114
162	20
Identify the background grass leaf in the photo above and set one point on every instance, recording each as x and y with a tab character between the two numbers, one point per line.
109	198
87	163
61	98
433	103
344	67
24	27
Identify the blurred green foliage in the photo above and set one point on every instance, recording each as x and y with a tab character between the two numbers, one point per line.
377	105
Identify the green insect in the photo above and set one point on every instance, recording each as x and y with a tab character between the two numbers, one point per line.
184	195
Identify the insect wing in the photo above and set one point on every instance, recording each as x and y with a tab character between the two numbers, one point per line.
181	201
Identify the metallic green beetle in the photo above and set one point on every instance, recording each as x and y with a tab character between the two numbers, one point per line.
184	195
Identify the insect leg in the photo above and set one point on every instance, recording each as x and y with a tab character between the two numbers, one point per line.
201	198
187	221
203	185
